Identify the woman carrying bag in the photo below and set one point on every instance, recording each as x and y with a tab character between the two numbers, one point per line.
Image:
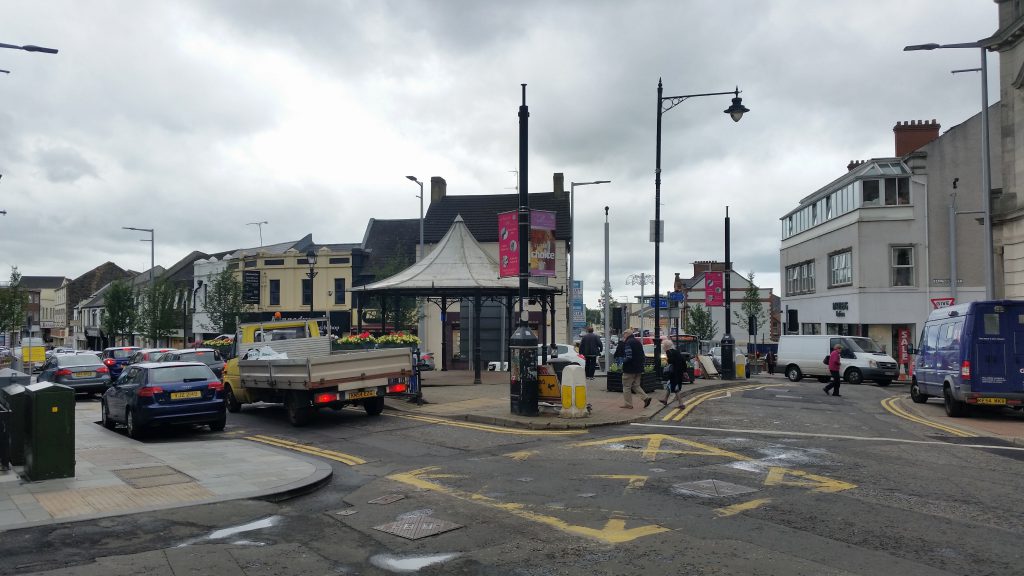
674	372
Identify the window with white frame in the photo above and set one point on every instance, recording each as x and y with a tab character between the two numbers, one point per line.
902	265
800	278
840	265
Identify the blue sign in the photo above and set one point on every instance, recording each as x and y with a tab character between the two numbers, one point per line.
675	296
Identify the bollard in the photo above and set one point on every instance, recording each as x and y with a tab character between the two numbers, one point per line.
741	366
574	392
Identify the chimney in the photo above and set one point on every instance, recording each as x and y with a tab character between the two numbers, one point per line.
912	134
438	189
853	164
559	185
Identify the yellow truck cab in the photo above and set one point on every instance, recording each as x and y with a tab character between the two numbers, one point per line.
252	335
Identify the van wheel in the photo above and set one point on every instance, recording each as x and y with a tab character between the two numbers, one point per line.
234	406
915	393
374	406
300	412
954	408
883	383
793	373
853	376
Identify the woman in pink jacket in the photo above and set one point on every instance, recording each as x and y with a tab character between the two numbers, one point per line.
833	367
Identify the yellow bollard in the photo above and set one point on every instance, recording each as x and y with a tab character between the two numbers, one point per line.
574	392
741	365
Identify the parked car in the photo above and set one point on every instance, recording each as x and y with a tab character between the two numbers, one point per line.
860	358
148	355
116	358
969	355
563	352
153	394
426	361
208	356
82	372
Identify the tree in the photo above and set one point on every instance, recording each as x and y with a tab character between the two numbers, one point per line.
593	316
401	312
700	324
158	314
13	304
224	303
120	313
751	306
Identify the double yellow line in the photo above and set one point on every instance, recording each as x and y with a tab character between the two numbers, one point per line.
306	449
675	415
890	405
487	427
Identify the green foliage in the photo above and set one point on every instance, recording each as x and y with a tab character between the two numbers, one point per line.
751	306
401	312
594	316
158	313
13	304
700	324
120	313
224	303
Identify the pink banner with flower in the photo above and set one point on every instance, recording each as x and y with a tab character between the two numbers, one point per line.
714	289
508	244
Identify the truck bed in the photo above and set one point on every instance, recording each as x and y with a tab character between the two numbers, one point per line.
342	371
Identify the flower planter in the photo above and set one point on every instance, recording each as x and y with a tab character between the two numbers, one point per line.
649	382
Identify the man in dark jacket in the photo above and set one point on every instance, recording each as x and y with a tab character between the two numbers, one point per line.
633	371
591	347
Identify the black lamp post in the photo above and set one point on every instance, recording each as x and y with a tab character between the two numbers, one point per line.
523	379
311	260
666	103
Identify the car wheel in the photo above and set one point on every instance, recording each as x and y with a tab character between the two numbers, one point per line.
794	374
234	406
954	408
374	406
135	429
218	425
105	416
853	376
915	393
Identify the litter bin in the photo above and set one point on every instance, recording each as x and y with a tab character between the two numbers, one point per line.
14	398
5	440
50	432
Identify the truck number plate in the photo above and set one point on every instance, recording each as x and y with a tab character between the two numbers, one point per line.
995	401
357	394
186	395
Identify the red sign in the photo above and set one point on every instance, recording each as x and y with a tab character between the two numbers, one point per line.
942	302
508	244
904	341
714	289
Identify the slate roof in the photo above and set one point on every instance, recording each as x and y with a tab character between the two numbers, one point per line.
390	238
41	282
480	213
456	266
301	245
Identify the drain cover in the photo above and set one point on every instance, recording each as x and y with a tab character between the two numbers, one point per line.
710	488
150	476
387	499
418	527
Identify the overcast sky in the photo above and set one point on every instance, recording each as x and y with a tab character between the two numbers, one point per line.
197	117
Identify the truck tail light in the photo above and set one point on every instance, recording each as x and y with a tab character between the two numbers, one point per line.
397	388
215	385
149	391
965	370
325	397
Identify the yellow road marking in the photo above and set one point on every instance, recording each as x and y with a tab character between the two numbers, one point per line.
890	404
489	428
520	455
311	450
741	507
678	414
786	477
654	442
634	482
613	532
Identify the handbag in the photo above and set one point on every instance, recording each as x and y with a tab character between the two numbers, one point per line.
666	371
825	361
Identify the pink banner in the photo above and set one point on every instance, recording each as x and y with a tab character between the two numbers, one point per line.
508	244
542	243
714	289
904	341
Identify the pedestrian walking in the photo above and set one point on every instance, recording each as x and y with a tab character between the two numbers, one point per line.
769	359
591	347
675	366
633	371
833	368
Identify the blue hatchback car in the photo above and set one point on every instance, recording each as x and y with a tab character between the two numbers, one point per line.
116	358
153	394
971	354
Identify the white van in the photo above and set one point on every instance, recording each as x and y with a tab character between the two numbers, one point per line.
860	359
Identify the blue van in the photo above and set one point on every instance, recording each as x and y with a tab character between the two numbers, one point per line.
971	353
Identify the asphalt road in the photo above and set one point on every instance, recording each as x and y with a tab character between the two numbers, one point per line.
763	480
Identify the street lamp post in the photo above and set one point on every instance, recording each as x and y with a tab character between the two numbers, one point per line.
30	48
311	260
666	103
260	226
419	301
569	328
986	164
642	279
152	249
607	298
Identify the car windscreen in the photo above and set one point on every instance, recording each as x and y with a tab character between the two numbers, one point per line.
78	360
173	374
204	356
120	354
863	345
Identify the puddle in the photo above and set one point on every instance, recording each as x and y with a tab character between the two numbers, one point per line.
409	564
783	456
228	532
248	543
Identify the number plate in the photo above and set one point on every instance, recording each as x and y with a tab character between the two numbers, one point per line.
995	401
186	395
84	374
357	394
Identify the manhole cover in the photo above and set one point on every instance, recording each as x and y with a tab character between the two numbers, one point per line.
418	527
150	476
710	488
387	499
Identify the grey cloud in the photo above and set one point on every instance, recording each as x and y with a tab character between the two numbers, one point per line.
64	164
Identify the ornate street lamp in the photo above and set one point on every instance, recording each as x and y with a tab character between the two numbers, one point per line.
311	260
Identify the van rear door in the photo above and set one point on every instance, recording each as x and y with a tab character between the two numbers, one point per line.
998	354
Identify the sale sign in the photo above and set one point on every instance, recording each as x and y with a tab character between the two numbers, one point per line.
903	334
508	244
714	289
